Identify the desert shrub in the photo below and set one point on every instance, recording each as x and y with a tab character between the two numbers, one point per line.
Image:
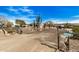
21	23
48	24
10	30
8	27
75	30
18	29
67	25
8	24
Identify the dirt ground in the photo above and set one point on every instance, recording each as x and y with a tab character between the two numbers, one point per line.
31	42
26	42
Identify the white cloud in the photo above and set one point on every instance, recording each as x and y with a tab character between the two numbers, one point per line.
20	15
75	21
21	9
70	20
26	9
26	19
13	18
54	20
13	10
3	16
29	20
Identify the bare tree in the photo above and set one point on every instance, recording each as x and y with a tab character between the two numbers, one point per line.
48	24
3	20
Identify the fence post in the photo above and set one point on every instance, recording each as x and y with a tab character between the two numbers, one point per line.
67	44
58	38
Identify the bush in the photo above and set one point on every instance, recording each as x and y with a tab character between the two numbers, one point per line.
8	24
21	23
67	25
10	30
75	29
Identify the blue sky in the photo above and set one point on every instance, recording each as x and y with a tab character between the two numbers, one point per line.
57	14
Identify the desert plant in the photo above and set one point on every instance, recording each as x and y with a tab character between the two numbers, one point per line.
38	21
33	24
4	23
48	24
9	24
67	25
75	30
18	29
21	23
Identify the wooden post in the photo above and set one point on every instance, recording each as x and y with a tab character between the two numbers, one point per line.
67	45
58	38
3	31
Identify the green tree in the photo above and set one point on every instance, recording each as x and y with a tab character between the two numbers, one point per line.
21	23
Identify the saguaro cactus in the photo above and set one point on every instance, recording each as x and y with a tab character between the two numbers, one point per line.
38	22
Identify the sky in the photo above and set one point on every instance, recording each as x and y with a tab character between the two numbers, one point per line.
56	14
